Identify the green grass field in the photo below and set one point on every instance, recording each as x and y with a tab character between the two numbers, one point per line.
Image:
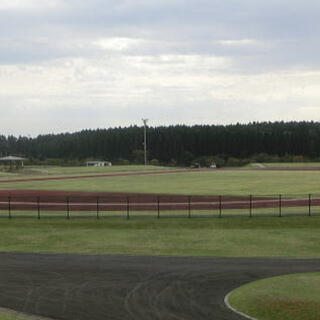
52	171
233	237
257	165
58	170
5	316
292	297
292	165
226	182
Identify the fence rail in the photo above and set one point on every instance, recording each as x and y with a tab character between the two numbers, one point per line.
159	206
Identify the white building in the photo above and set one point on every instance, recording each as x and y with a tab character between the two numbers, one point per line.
98	164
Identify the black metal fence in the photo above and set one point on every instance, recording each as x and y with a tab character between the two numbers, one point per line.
159	206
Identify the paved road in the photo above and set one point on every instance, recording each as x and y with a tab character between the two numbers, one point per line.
102	287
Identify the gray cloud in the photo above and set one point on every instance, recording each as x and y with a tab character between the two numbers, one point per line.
288	28
103	63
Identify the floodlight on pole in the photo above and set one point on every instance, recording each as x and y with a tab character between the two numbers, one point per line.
145	140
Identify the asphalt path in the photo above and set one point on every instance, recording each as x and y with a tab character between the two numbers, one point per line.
103	287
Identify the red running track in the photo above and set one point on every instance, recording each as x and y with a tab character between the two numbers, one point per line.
92	201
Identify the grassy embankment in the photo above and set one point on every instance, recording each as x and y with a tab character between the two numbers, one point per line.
291	297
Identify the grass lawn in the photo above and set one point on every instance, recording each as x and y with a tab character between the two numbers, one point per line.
292	297
292	165
232	237
4	316
56	170
43	171
12	316
226	182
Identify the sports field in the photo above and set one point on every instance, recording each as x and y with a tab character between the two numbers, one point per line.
29	172
234	238
60	170
163	192
296	239
195	182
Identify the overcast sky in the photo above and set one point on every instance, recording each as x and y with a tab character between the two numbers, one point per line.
67	65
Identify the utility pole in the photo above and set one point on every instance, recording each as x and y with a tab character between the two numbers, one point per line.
145	140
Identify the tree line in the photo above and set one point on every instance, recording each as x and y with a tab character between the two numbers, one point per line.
175	145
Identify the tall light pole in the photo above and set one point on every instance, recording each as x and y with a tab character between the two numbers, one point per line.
145	140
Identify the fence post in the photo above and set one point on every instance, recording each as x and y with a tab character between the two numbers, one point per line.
158	206
128	209
68	208
280	205
309	205
98	208
189	207
38	206
9	207
220	206
250	199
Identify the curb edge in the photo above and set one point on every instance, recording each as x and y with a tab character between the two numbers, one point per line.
226	302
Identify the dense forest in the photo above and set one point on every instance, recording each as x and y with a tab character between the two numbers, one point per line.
175	145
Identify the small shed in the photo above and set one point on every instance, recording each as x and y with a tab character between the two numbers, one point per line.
12	160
